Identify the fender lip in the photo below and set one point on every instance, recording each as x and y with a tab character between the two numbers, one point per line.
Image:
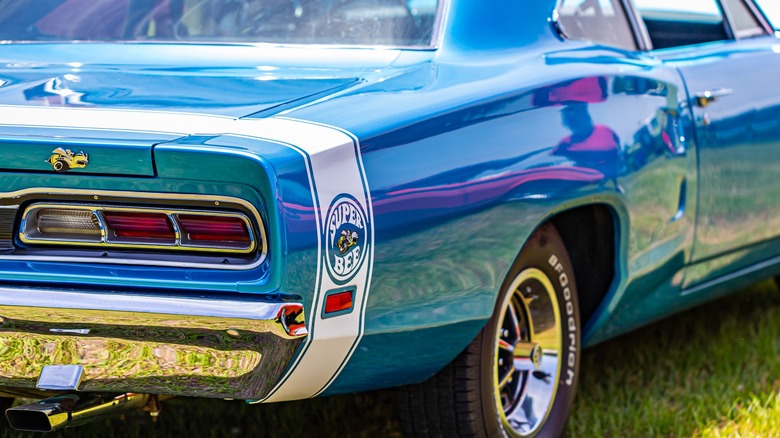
200	346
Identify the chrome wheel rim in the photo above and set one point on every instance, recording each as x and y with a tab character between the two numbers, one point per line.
528	351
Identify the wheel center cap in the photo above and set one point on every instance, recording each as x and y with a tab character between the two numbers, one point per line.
536	356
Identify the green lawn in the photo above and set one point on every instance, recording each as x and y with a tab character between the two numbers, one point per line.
713	371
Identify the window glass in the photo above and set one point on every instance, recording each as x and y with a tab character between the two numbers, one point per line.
675	23
771	9
700	10
349	22
600	21
743	21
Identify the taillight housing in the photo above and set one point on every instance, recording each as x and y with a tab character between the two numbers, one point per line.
110	226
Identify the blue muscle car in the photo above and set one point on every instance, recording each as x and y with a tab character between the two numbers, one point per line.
272	200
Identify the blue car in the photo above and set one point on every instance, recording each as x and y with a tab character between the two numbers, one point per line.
272	200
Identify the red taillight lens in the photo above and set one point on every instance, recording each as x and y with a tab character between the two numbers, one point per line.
146	228
135	226
228	230
339	302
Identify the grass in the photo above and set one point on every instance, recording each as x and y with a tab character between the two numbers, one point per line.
713	371
710	372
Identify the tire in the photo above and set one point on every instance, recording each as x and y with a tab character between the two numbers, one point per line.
59	166
478	394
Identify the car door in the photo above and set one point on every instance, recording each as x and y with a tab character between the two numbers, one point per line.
727	55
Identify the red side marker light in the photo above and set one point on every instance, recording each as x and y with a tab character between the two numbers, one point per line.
339	301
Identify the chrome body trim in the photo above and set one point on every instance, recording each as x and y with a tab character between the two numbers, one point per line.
28	228
169	345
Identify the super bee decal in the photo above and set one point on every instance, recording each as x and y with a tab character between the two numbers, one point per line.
345	229
65	159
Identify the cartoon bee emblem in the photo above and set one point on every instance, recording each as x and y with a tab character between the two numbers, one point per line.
347	240
65	159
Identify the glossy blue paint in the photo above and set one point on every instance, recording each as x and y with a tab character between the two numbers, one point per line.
467	149
739	142
443	208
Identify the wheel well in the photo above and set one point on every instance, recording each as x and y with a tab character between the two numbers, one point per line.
589	236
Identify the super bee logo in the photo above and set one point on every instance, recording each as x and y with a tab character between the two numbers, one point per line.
65	159
345	238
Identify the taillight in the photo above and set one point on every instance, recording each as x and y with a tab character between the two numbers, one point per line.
209	229
59	223
122	227
139	226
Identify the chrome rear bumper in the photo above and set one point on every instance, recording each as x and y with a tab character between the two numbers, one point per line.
186	346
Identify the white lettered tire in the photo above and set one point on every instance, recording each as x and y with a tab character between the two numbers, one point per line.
517	378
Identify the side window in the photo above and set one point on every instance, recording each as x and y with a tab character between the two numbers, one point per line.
682	22
600	21
743	21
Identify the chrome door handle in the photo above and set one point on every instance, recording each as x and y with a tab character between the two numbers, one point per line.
705	98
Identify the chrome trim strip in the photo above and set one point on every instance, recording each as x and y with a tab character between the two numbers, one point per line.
140	197
236	347
389	47
142	303
180	244
442	10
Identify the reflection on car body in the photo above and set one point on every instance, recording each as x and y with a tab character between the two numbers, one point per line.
273	200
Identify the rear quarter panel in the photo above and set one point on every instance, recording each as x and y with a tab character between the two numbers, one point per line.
465	157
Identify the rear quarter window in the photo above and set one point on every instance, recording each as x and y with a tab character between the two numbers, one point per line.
600	21
676	23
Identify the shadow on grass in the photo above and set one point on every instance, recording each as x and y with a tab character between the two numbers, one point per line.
360	415
686	375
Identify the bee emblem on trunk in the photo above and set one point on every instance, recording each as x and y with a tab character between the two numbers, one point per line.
65	159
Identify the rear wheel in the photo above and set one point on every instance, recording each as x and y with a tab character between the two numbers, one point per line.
518	376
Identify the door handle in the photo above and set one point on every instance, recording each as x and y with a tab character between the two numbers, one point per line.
705	98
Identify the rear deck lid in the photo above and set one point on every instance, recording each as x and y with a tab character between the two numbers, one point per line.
114	136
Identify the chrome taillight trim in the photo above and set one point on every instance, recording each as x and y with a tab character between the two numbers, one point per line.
29	234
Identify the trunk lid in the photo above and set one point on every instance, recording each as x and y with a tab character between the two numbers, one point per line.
86	106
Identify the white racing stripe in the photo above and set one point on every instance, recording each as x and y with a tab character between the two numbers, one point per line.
107	119
337	177
336	169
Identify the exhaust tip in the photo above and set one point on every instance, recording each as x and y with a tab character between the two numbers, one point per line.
28	420
68	410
